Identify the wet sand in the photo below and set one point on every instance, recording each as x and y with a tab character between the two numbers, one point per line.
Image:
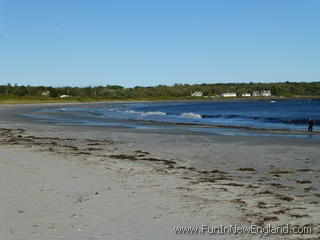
90	182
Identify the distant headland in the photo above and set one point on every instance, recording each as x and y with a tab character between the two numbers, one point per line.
28	94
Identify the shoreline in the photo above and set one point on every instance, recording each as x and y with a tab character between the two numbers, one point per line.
204	126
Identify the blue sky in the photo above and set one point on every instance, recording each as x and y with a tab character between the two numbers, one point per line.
151	42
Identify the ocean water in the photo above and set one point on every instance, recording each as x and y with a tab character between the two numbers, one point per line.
255	114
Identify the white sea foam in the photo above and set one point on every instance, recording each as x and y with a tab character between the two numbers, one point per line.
153	113
131	111
191	115
145	113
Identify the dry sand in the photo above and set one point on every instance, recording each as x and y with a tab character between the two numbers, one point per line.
82	182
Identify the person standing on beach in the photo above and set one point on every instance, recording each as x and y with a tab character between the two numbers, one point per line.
310	125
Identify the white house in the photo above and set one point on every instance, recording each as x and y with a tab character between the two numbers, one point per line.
265	93
197	94
45	93
245	95
228	95
256	94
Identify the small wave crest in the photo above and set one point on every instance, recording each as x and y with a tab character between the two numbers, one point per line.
191	115
131	112
145	113
153	113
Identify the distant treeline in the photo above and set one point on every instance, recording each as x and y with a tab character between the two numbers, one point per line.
286	89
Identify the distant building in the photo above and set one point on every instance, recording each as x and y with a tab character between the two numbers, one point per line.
65	96
256	94
228	95
265	93
245	95
45	93
197	94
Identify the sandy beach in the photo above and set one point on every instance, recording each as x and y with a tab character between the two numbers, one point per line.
79	182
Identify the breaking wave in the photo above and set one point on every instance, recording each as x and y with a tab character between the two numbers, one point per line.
145	113
153	113
191	115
